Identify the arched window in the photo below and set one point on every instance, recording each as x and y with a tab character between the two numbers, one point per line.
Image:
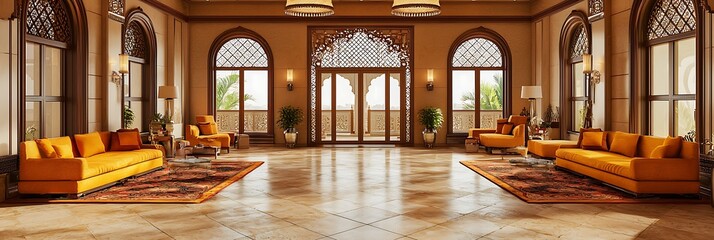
54	70
668	66
575	41
139	88
479	74
241	83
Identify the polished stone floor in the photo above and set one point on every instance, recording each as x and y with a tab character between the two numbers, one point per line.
358	193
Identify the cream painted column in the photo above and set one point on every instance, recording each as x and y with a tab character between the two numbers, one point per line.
598	51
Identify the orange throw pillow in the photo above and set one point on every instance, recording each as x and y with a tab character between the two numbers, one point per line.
89	144
507	129
584	130
208	128
669	149
594	141
63	151
625	143
127	140
45	147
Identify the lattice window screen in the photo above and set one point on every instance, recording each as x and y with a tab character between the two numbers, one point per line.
242	52
49	19
361	51
579	43
135	40
477	52
671	17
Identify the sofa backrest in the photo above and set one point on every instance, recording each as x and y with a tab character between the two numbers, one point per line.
647	144
30	150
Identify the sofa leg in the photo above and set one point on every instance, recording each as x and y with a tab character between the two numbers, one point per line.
73	196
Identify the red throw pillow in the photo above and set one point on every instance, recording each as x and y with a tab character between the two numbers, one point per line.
126	140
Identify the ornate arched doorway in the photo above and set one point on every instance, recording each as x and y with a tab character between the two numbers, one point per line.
360	85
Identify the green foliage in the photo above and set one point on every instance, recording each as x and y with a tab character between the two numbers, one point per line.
491	96
290	117
431	118
128	117
224	100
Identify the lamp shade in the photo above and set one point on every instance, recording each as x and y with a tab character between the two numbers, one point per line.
123	63
7	8
416	8
309	8
531	92
168	92
587	63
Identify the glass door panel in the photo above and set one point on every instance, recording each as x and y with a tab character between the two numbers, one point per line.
374	112
463	97
346	106
491	103
326	107
395	107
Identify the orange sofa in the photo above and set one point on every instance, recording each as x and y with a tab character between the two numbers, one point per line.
74	176
493	139
639	174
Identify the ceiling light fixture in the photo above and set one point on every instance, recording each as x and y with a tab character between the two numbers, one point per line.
416	8
309	8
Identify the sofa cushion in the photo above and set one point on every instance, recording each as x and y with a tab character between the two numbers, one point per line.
110	161
45	148
584	130
89	144
208	128
76	169
594	141
670	148
125	141
63	151
602	160
507	129
625	143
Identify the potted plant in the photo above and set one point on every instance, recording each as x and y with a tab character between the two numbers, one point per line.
432	119
128	117
290	117
157	124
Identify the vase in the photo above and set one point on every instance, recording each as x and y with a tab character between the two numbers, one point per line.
291	136
429	137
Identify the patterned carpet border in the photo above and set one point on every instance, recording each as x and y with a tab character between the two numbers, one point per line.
628	199
208	194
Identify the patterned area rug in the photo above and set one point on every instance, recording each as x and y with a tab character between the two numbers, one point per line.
193	184
541	184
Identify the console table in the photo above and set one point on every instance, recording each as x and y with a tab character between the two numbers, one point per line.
706	163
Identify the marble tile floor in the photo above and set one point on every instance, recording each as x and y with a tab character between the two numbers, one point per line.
358	193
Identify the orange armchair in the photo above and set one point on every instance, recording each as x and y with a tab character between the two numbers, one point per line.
223	140
494	139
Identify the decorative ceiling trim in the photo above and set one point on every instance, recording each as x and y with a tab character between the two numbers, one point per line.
388	19
116	10
596	8
165	8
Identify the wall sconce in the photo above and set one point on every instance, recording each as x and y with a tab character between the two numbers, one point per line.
290	79
116	78
430	80
592	74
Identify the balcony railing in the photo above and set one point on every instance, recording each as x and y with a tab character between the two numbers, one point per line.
255	120
462	120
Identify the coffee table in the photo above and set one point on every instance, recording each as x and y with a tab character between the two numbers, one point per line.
204	151
533	162
189	162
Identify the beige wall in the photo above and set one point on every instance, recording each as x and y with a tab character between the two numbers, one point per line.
8	87
288	43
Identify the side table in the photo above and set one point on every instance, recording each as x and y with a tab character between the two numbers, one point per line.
167	141
706	163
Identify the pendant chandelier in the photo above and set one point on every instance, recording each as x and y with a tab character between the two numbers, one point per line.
309	8
416	8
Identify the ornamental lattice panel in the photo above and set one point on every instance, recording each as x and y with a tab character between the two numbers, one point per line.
477	52
49	19
596	7
579	43
135	41
116	7
360	48
671	17
241	52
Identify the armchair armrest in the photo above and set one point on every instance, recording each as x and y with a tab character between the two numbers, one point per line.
665	169
41	169
475	132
